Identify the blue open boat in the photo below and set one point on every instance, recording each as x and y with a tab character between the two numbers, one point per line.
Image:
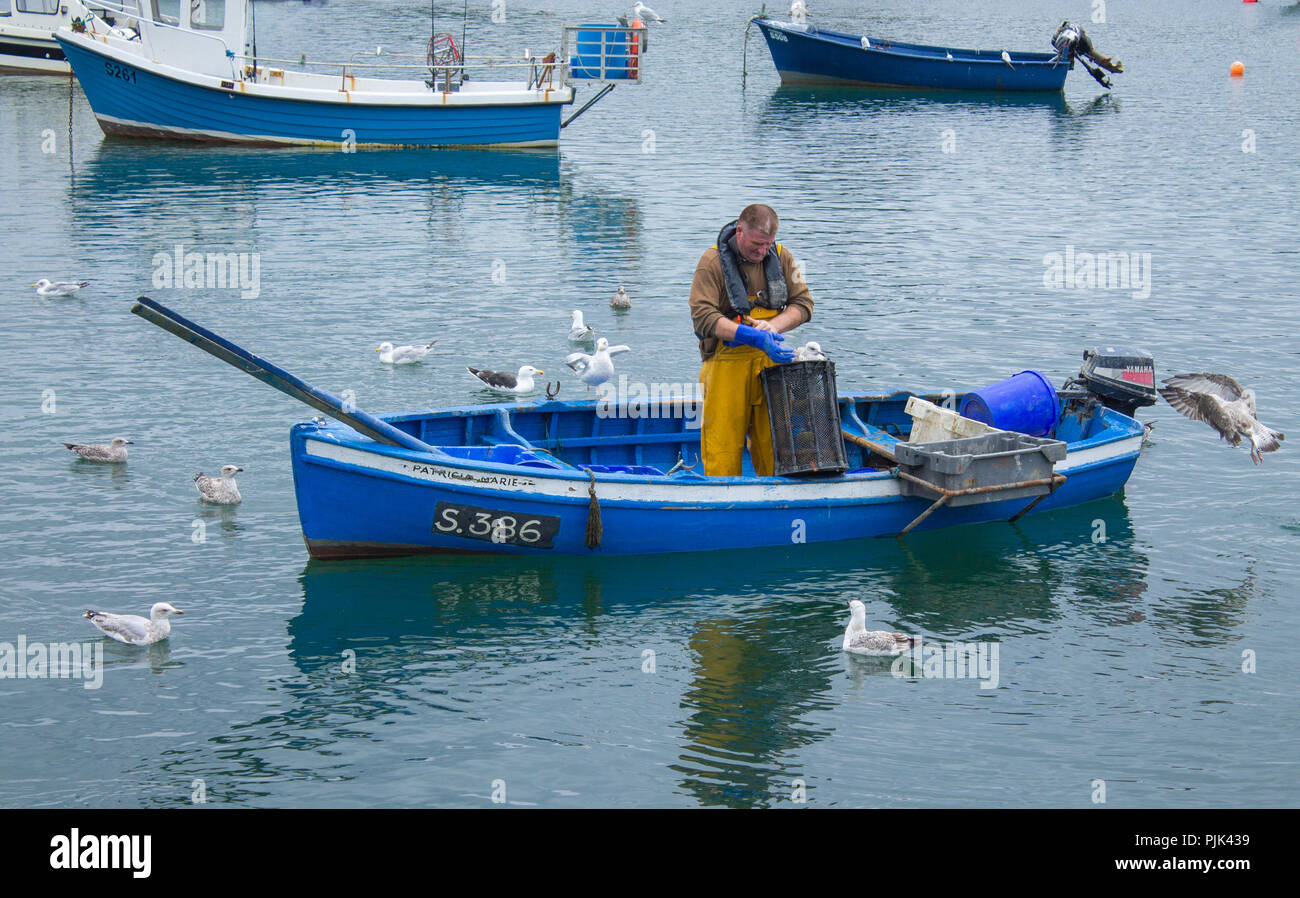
190	72
579	477
807	54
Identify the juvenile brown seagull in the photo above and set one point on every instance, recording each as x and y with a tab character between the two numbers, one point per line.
110	453
1225	405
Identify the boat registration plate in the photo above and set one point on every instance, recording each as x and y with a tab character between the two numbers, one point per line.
492	526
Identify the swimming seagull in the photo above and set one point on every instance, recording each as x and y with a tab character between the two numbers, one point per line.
505	382
134	629
1225	405
1006	57
594	370
219	490
580	332
112	453
646	14
861	641
809	352
620	300
402	355
58	288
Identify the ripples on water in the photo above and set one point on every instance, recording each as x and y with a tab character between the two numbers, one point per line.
1119	659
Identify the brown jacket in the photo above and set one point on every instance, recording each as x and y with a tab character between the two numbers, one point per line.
709	293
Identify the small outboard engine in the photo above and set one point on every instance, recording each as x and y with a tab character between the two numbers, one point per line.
1071	41
1119	377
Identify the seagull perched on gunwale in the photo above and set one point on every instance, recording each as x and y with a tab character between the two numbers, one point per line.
134	629
111	453
1225	405
504	381
594	370
45	287
403	355
580	332
861	641
219	490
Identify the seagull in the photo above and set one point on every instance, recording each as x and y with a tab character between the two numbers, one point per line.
580	332
134	629
219	490
620	300
866	44
594	370
861	641
799	10
1225	405
402	355
809	352
646	14
505	382
949	55
58	288
112	453
1006	57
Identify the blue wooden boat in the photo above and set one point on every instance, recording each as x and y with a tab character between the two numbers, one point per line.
806	54
195	75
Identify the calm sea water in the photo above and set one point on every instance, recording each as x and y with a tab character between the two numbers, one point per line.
695	680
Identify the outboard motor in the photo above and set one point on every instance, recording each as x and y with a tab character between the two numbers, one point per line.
1119	377
1072	41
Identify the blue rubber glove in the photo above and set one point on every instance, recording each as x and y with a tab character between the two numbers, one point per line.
768	341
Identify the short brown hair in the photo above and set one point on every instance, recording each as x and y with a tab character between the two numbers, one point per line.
760	218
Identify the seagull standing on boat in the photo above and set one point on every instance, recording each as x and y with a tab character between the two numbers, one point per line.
134	629
646	14
866	44
504	381
799	10
809	352
620	299
403	355
220	490
594	370
1224	404
861	641
1006	57
58	288
111	453
580	332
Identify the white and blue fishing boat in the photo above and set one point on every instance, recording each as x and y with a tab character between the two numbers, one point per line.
808	54
583	477
190	71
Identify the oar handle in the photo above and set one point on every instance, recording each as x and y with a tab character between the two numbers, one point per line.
214	344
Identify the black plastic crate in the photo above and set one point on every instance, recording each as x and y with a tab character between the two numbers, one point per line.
805	412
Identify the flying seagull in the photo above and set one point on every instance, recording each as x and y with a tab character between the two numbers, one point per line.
58	288
594	370
112	453
861	641
134	629
504	381
220	490
402	355
1225	405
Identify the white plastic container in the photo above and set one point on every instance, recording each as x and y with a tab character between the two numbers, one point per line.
930	423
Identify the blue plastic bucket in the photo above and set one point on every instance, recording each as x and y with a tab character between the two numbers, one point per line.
1026	403
586	64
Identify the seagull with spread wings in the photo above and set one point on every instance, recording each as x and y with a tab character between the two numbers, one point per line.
1224	404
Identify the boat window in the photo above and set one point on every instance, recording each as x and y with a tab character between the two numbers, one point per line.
45	7
208	14
167	11
5	9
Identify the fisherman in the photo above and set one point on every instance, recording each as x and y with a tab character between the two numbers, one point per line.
746	293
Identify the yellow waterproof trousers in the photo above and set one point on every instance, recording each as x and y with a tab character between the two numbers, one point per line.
734	407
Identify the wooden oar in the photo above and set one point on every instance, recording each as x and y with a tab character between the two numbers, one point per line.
865	443
378	430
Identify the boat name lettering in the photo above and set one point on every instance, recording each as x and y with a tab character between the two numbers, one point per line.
778	36
485	479
494	526
118	71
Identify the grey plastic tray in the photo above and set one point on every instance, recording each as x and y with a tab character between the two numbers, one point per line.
993	459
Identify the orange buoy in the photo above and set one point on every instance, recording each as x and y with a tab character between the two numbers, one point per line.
1237	69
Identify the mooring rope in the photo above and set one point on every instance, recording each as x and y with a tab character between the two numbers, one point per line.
594	530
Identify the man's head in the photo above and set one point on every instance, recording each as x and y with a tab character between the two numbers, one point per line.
756	232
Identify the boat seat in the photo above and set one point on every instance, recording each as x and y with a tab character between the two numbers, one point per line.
641	470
